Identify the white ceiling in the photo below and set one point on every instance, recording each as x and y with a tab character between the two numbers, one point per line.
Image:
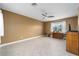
59	10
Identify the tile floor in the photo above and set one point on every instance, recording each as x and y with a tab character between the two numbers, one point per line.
43	46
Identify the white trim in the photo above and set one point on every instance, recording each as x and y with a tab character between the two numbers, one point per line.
19	41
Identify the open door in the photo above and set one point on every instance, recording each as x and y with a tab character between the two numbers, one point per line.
1	25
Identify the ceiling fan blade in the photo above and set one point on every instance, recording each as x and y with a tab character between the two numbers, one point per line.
43	15
50	16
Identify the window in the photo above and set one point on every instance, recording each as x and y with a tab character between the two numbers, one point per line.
58	27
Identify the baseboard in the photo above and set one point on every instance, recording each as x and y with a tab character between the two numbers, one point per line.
19	41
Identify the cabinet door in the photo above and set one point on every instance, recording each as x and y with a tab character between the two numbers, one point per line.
69	41
75	43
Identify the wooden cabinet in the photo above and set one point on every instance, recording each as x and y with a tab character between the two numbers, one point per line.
72	42
57	35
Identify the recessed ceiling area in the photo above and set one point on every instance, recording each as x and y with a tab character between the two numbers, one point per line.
58	10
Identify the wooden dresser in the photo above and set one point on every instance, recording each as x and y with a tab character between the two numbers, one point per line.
72	42
57	35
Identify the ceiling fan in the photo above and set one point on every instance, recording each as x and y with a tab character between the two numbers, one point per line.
45	15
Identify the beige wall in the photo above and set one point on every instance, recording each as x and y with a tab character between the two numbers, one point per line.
47	27
72	20
17	27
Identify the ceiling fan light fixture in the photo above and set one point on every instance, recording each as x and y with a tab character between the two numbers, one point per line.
34	4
